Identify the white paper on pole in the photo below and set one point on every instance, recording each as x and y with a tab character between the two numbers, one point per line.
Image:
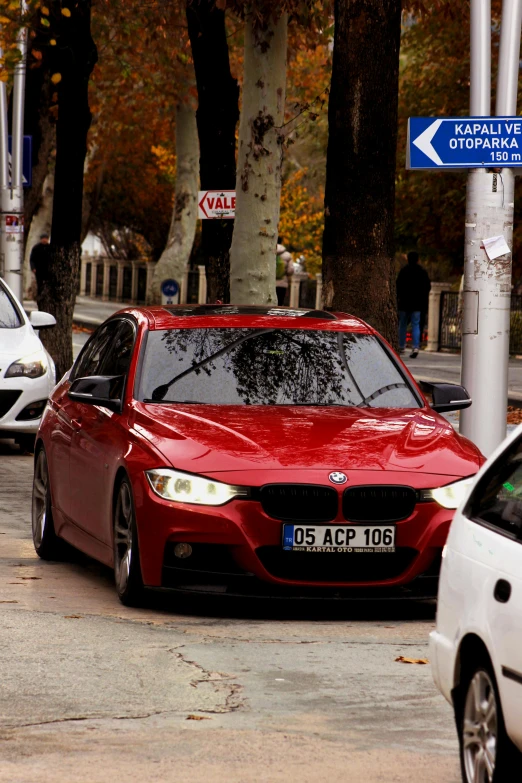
495	247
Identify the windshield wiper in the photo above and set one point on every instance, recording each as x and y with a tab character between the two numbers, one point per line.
315	404
380	391
160	391
176	402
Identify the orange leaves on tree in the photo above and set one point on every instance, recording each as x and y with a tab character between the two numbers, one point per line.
301	220
66	12
56	78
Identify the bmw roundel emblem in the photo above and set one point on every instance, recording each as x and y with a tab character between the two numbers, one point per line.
338	478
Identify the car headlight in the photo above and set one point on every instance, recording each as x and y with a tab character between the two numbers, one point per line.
450	496
187	488
32	366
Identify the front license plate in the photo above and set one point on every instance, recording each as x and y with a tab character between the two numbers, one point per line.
339	538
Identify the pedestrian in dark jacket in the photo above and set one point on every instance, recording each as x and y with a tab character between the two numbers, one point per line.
39	260
413	288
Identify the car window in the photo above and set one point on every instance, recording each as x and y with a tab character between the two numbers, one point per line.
116	360
95	352
9	316
497	498
271	367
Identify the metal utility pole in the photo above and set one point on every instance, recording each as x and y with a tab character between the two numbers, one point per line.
12	193
489	213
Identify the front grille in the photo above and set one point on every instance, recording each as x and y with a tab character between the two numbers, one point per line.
335	566
7	400
299	502
386	503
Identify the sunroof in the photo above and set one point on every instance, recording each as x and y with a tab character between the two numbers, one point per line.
205	310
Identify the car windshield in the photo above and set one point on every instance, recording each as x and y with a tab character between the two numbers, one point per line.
271	367
9	317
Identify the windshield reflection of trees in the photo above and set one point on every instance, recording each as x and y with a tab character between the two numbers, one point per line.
279	366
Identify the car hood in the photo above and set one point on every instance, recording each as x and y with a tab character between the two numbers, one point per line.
210	439
15	343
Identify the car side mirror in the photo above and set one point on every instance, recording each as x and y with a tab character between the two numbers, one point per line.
39	320
447	396
104	390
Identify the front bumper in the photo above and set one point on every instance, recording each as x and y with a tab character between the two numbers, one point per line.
240	545
17	395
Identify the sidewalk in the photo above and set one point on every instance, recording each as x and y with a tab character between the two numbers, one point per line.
446	367
87	312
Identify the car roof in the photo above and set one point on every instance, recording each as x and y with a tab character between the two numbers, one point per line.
252	316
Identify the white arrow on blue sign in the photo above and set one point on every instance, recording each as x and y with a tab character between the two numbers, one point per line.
464	142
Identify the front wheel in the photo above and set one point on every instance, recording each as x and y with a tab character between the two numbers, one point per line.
486	752
127	568
46	543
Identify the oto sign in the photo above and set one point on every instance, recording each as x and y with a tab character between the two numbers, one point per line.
216	204
464	142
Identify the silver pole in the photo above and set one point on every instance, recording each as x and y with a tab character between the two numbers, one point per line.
3	134
487	284
4	171
12	197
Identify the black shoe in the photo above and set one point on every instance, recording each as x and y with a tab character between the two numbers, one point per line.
414	353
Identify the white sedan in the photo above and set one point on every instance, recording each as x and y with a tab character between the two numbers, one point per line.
27	373
476	649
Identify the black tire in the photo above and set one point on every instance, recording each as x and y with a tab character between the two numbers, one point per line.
483	741
46	543
127	567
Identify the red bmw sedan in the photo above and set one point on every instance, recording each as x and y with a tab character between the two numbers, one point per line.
249	449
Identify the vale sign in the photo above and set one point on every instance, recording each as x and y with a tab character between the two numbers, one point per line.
464	142
216	204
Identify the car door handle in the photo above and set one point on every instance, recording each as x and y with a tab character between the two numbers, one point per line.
502	592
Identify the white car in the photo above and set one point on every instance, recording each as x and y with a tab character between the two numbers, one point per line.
27	373
476	649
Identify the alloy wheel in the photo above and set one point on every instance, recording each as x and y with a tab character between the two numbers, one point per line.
480	727
40	490
123	537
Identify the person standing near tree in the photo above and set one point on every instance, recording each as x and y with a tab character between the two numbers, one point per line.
413	288
40	255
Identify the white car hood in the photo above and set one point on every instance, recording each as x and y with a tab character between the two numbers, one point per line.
16	343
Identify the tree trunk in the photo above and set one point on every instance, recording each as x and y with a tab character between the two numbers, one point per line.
74	60
40	224
175	257
358	269
258	180
39	125
217	116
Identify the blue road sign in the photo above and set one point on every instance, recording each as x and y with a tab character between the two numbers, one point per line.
27	162
169	288
464	142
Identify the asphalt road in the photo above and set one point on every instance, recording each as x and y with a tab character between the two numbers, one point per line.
209	691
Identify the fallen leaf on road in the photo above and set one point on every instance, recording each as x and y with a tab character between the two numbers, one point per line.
29	577
197	717
402	659
73	617
8	602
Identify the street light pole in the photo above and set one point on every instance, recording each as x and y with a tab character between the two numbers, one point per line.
12	192
489	212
